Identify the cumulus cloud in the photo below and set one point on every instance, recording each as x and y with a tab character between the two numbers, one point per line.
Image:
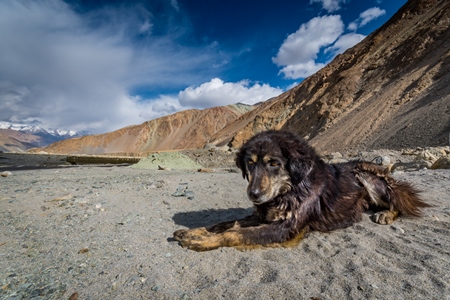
217	92
330	5
344	42
299	50
63	69
365	17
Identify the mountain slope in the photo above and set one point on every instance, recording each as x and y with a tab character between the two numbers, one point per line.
183	130
390	90
16	141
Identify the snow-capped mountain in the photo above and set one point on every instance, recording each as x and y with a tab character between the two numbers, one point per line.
43	137
25	128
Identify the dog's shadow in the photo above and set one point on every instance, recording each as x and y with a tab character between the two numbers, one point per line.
193	219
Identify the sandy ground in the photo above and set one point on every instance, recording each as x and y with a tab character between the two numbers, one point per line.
104	232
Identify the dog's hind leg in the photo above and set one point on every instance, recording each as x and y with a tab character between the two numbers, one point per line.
396	197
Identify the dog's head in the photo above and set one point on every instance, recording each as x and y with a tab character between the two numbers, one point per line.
273	162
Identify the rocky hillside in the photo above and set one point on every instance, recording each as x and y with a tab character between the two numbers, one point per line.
392	90
189	129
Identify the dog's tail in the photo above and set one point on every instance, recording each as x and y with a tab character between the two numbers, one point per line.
387	192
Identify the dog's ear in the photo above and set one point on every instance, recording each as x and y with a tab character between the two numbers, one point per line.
300	160
240	163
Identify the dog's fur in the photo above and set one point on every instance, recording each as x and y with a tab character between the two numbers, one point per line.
294	191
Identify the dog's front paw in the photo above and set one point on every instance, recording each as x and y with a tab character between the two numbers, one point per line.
198	239
385	217
183	234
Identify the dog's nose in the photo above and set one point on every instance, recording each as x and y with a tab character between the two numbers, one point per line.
254	194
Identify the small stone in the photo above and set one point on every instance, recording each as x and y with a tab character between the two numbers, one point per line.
184	297
441	163
335	155
189	194
426	155
74	296
61	198
337	161
180	192
155	288
128	218
81	200
6	174
396	228
84	250
382	160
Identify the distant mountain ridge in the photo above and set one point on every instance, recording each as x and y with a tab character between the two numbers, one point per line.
17	137
25	128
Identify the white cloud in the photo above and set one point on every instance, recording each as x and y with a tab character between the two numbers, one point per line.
330	5
162	106
302	70
299	50
72	71
216	92
366	17
344	42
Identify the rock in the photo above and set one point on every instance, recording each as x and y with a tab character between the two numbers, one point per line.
81	200
337	161
189	194
128	218
6	174
334	155
441	163
426	155
396	228
74	296
155	184
210	147
83	250
410	166
382	160
180	192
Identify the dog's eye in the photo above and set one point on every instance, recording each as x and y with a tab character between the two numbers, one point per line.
274	163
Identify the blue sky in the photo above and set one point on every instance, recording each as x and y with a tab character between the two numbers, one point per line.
102	65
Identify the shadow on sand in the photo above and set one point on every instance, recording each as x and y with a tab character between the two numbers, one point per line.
209	217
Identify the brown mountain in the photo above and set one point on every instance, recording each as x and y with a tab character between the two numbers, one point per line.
16	141
189	129
391	90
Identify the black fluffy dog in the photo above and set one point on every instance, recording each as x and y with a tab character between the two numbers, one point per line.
294	191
